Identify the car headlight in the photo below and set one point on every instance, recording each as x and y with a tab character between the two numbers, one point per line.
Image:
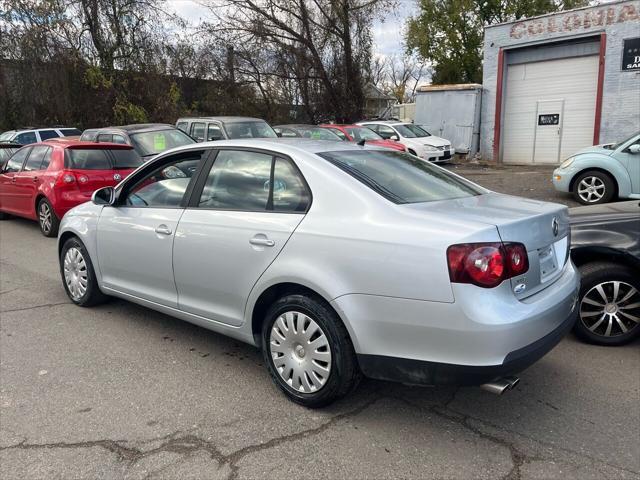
567	162
430	148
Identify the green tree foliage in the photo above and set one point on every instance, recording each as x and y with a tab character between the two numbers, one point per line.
449	33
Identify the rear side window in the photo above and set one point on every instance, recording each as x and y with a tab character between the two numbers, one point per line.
34	162
339	133
86	159
15	162
26	138
47	134
182	126
105	137
119	139
290	193
400	177
126	158
214	133
89	135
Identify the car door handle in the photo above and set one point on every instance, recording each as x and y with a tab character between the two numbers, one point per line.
262	241
13	179
163	230
35	179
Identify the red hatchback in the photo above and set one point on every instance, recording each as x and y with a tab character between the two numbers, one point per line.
356	133
43	181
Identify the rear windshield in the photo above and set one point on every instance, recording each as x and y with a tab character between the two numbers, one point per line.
400	177
126	158
152	143
99	159
249	130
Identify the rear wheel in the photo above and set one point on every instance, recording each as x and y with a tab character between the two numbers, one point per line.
609	304
593	187
49	222
78	275
308	351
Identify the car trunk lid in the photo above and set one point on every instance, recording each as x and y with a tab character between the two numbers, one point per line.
542	227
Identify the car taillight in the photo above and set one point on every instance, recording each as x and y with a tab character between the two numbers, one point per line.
65	179
486	264
68	178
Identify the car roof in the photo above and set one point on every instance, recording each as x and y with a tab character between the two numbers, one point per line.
223	119
138	127
74	143
280	145
298	125
386	122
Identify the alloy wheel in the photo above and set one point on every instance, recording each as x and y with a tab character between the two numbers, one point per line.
611	308
45	217
75	273
300	351
591	189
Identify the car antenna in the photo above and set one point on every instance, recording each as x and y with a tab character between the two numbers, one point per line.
361	143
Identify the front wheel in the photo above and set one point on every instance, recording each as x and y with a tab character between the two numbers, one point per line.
609	304
78	275
47	219
308	351
593	187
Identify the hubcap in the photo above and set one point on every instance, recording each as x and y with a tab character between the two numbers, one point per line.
591	189
300	352
75	273
45	217
611	308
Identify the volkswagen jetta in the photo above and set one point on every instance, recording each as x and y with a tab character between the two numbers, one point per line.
337	260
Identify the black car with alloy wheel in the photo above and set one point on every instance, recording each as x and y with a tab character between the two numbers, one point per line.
605	245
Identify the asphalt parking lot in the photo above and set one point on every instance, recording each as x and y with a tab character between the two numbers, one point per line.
120	391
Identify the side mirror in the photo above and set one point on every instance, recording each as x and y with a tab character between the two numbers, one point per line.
104	196
635	148
394	138
279	134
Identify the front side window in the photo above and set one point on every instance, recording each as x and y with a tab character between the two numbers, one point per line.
15	162
105	137
197	131
119	139
26	138
250	130
238	180
87	159
385	131
34	162
339	133
286	132
152	143
317	133
47	134
214	132
165	187
400	177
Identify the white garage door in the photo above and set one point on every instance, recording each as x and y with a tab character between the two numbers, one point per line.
549	109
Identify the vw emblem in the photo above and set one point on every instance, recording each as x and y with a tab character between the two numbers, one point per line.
555	226
117	176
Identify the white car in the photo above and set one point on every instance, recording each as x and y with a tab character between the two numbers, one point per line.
418	141
35	135
335	259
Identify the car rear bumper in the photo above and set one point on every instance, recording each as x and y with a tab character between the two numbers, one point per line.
417	372
482	335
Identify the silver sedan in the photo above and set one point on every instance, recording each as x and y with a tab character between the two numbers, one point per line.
336	260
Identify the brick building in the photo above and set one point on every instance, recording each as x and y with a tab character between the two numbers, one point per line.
557	83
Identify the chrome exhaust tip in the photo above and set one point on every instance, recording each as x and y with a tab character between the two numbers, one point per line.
501	385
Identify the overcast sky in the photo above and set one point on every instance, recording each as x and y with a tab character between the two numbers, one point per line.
387	34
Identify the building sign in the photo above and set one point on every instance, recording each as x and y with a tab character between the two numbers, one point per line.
576	21
631	54
549	119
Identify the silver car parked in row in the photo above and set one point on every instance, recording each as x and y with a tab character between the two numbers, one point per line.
337	260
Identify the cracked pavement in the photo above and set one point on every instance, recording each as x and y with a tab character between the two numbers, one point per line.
120	391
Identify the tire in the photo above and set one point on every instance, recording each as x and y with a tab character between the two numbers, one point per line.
594	187
599	322
47	219
4	216
412	152
80	265
290	322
